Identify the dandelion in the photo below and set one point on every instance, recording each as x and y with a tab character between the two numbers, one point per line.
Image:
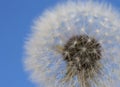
75	44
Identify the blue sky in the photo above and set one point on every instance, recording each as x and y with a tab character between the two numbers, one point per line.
16	17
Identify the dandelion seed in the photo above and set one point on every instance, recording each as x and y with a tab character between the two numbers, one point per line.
97	31
75	44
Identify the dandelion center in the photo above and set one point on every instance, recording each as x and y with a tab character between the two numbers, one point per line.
82	52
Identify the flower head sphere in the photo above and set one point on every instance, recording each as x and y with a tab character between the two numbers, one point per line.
76	44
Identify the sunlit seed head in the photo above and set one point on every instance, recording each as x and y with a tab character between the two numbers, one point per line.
75	44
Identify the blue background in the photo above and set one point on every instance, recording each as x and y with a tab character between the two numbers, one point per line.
16	17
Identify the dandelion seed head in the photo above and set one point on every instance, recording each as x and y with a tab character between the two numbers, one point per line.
75	44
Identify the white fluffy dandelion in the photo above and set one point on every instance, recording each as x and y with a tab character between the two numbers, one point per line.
75	44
